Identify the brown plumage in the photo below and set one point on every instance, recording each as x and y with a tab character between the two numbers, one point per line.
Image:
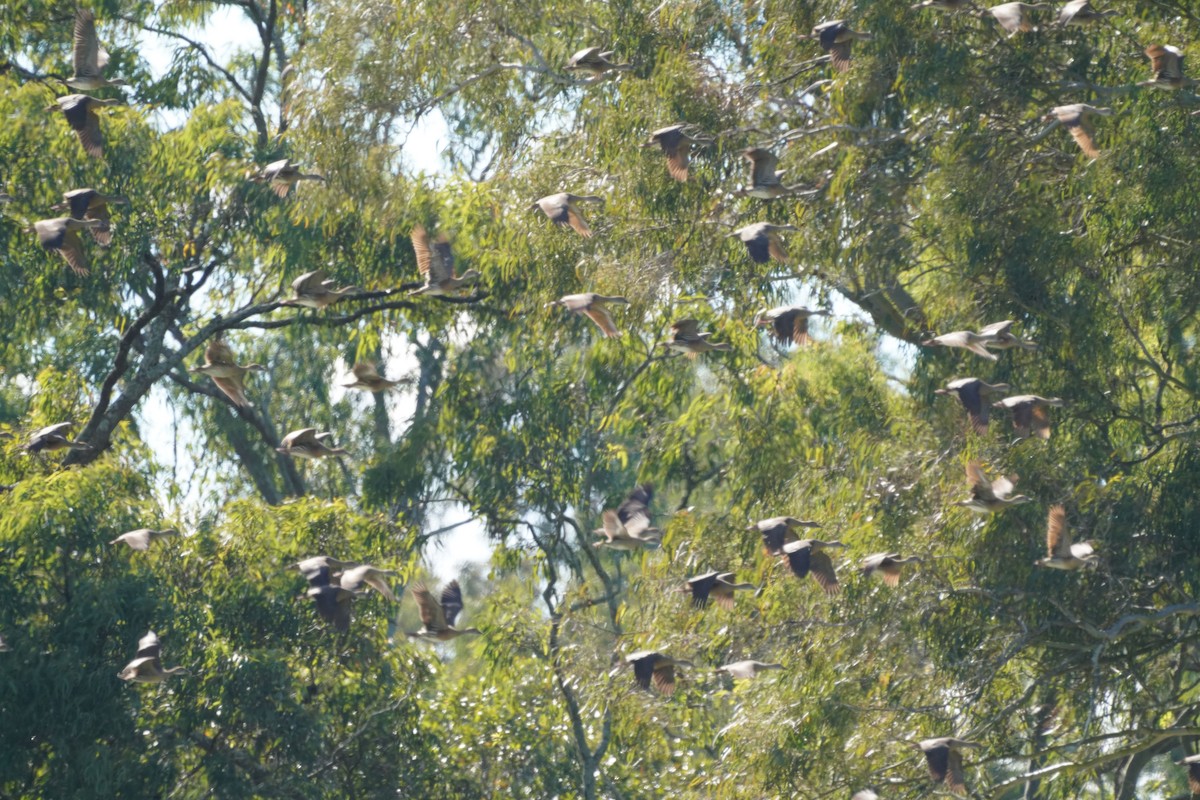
61	235
89	58
763	241
1193	766
988	497
595	61
1000	337
80	113
592	306
719	586
944	760
649	666
229	376
53	438
688	338
766	181
1030	413
437	618
887	566
809	556
1077	119
367	378
778	531
91	205
973	394
307	443
146	666
282	175
676	142
835	37
316	290
1166	62
788	323
1061	553
435	261
563	209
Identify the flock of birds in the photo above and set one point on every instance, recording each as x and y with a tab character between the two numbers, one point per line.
333	584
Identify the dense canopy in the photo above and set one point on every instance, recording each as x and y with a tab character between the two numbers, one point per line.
693	300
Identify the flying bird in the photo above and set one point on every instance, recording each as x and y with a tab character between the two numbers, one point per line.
1030	413
316	290
967	340
228	375
1001	337
989	497
1061	553
563	209
282	175
778	531
367	378
143	537
307	443
649	666
356	577
436	264
1015	17
766	181
331	600
788	323
437	618
809	556
1080	12
592	306
1077	119
146	666
88	204
944	760
835	36
1166	62
887	566
53	438
763	241
688	338
90	58
80	113
719	586
676	143
973	394
595	61
61	235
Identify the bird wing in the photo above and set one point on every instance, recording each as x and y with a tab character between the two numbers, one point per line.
87	45
763	166
664	678
305	436
149	646
643	667
1163	63
938	761
981	487
366	371
233	389
87	127
677	148
54	430
821	566
776	249
701	586
1058	536
355	577
218	352
431	613
585	56
1039	420
799	559
637	503
452	601
1002	487
613	529
760	249
774	538
977	411
1022	417
598	314
441	268
685	328
1011	17
576	221
310	282
420	243
954	777
316	576
137	540
997	328
839	54
638	527
102	233
1081	129
71	250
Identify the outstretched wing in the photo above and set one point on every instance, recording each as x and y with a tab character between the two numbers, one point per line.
431	613
452	601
